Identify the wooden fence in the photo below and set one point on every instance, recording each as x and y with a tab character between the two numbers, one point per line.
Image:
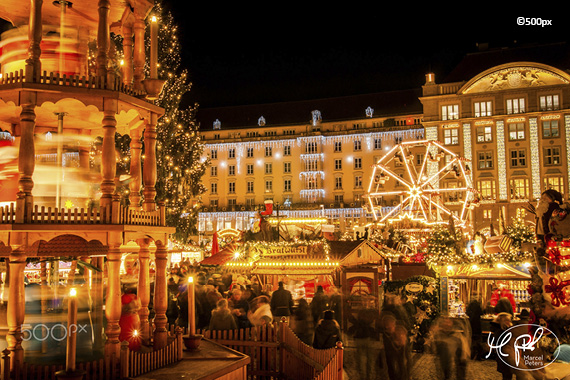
94	370
277	353
128	365
135	363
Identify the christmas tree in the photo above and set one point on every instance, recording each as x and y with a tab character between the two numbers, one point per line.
179	149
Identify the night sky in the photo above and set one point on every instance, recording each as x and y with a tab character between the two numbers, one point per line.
240	54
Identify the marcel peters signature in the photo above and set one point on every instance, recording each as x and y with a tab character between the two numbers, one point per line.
524	343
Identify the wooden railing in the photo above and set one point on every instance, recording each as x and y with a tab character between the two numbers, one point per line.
100	215
91	82
277	353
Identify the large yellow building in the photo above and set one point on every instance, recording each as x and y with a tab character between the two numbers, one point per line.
506	114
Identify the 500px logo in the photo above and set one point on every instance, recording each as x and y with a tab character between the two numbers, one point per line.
57	332
524	343
534	21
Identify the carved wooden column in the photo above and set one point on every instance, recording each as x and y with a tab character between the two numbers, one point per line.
113	301
26	154
97	297
139	50
135	171
143	290
128	55
16	306
103	37
108	159
149	167
33	66
160	297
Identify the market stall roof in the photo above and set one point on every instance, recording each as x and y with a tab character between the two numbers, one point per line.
221	257
495	272
356	252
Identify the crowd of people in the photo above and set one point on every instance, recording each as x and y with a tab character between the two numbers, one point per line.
226	302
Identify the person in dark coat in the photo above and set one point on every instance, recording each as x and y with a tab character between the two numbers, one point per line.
239	307
474	312
222	318
281	302
302	323
504	306
327	332
365	333
319	304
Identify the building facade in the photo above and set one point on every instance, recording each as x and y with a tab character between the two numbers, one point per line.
312	169
506	117
512	122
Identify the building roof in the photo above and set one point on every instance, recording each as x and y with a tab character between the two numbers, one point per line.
385	104
554	54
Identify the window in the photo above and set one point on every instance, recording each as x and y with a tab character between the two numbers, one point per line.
555	183
286	167
486	189
420	159
213	171
311	148
550	129
484	134
268	151
268	168
337	146
377	144
231	187
250	186
311	165
287	185
552	155
451	136
549	102
518	158
482	109
214	188
287	150
337	164
487	214
250	202
338	183
214	154
520	188
485	160
232	153
357	145
358	182
213	203
450	112
232	170
250	169
249	152
516	131
268	186
358	163
515	106
338	198
232	202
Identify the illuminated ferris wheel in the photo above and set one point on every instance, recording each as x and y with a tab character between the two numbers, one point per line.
421	182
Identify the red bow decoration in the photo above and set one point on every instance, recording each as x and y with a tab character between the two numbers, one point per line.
556	288
554	255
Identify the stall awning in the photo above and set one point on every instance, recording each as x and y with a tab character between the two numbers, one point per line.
497	272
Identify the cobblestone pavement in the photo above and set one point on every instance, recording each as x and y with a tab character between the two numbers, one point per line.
423	368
